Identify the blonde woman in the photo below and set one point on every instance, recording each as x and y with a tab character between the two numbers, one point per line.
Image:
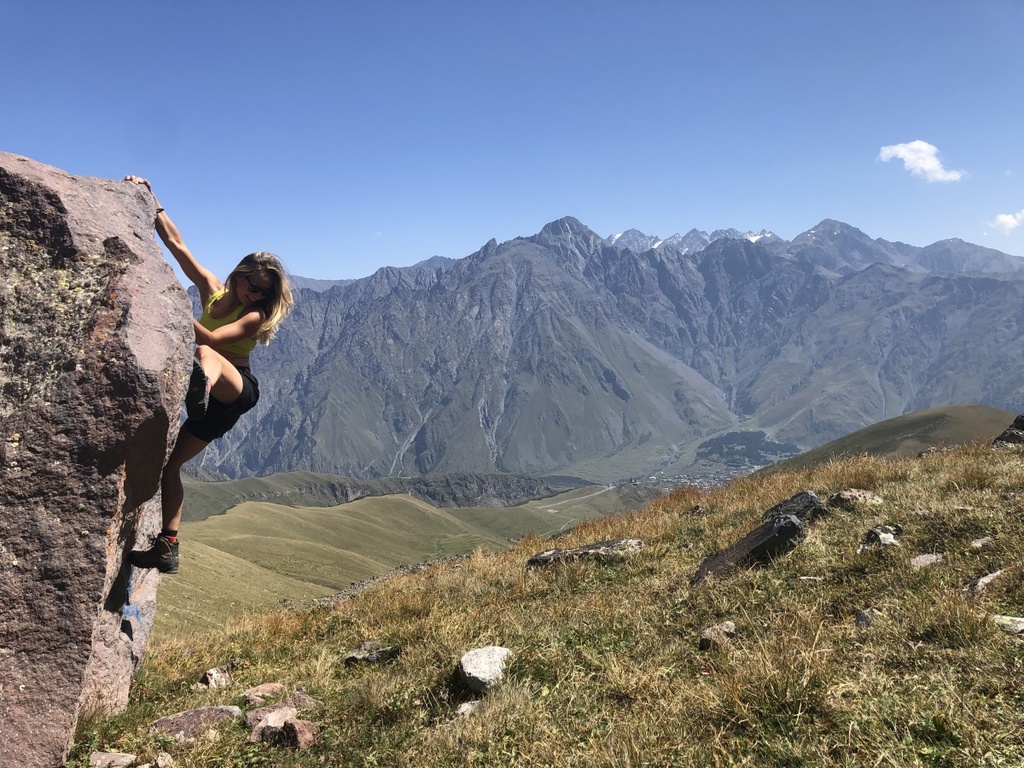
246	309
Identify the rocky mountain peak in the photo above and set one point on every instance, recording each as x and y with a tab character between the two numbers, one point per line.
634	240
573	243
829	229
843	248
565	229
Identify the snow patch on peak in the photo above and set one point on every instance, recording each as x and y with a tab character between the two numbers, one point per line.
693	241
761	234
633	240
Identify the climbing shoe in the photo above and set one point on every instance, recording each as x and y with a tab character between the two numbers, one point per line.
163	556
197	399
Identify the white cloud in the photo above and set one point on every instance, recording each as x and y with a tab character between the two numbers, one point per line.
921	159
1006	222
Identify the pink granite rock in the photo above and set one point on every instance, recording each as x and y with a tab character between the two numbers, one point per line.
194	722
293	734
95	339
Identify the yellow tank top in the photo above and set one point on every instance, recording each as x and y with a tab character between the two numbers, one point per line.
240	348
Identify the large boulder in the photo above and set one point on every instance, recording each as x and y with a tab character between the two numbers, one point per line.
95	341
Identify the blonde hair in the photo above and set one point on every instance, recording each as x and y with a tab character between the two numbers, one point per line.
274	307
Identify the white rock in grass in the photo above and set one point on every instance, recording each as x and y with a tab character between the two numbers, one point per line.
1011	624
218	677
851	497
111	760
924	561
882	536
483	668
978	586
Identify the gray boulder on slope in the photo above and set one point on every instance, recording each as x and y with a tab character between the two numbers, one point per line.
95	339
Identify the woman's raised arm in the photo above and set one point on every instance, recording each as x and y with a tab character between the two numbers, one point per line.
198	275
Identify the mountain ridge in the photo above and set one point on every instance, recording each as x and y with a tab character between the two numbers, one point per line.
562	353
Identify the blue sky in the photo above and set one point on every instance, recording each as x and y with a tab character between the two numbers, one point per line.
347	135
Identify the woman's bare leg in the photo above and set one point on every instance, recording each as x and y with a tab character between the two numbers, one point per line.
225	387
172	493
163	555
225	380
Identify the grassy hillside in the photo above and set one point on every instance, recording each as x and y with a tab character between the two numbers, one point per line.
217	586
258	554
910	434
207	497
606	668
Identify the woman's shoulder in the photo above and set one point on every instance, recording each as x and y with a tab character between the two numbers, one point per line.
209	293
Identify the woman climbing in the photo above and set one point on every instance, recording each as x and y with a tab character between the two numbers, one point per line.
247	308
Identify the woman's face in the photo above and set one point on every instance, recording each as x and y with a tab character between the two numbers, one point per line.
255	287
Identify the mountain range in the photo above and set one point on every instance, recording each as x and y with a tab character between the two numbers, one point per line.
605	358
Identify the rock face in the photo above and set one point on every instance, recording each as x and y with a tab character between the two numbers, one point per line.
95	336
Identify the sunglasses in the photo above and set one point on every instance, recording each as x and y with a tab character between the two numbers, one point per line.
258	290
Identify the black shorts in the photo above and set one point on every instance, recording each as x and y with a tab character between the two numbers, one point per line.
220	418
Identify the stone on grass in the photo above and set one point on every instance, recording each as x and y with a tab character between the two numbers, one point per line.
298	701
1011	624
602	550
483	668
192	723
218	677
258	695
926	561
866	618
851	498
880	537
293	734
982	543
805	506
980	585
269	717
302	700
1012	435
111	760
763	544
372	652
718	637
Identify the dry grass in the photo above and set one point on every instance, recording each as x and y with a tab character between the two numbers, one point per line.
606	670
